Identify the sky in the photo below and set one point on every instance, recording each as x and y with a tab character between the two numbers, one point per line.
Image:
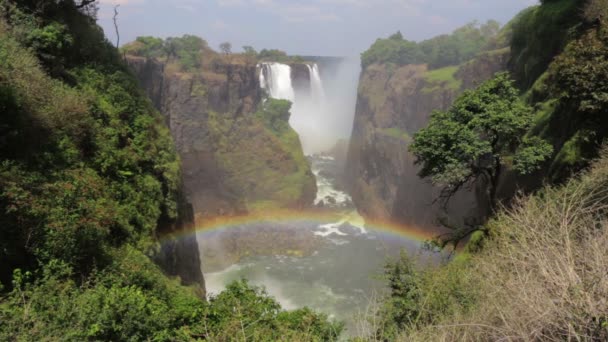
300	27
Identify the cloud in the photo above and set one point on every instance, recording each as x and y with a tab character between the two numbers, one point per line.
287	10
219	25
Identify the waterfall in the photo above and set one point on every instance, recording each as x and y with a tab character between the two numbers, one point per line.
316	84
323	113
276	79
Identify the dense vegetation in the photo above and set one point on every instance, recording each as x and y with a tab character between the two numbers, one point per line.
453	49
88	179
254	149
540	277
474	140
536	270
192	52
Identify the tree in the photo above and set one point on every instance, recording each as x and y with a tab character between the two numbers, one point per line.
226	48
187	49
472	141
250	51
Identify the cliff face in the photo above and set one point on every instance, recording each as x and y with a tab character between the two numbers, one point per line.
231	162
393	103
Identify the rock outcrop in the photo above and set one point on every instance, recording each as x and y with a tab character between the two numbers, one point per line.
229	157
394	103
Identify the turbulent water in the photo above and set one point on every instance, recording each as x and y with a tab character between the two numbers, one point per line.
340	277
332	267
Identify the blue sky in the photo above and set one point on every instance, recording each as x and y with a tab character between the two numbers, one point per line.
312	27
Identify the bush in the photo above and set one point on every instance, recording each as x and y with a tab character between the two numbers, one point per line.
539	34
445	50
540	276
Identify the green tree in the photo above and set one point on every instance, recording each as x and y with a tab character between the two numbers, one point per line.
226	48
402	307
462	45
472	141
273	55
187	49
250	51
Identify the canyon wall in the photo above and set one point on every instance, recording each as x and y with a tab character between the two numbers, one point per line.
394	103
234	160
231	162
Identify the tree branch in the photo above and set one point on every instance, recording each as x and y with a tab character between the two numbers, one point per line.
116	25
85	3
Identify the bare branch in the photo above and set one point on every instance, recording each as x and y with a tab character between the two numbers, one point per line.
85	3
116	25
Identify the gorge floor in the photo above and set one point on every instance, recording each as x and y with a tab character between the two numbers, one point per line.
333	267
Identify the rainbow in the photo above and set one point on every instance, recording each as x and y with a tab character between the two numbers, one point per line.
223	223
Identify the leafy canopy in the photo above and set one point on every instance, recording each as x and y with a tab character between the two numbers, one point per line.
476	136
453	49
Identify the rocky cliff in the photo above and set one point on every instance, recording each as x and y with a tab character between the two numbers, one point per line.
393	103
232	163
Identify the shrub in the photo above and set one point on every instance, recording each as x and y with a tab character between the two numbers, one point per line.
542	276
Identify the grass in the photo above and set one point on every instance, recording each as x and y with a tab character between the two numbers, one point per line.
396	133
442	78
539	33
540	277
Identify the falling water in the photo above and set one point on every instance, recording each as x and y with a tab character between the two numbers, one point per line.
316	84
276	79
323	114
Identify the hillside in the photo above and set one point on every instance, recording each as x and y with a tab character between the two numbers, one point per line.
239	154
395	100
534	269
91	201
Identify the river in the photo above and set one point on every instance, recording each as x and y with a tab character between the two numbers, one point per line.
339	273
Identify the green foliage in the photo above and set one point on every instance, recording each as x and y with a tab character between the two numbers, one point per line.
571	97
460	46
50	43
88	171
403	306
146	46
422	296
539	34
275	115
132	301
187	50
531	154
509	288
397	133
250	51
249	312
226	48
272	170
273	55
444	77
475	136
87	166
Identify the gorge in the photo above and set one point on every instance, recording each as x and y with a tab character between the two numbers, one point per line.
304	253
446	189
303	256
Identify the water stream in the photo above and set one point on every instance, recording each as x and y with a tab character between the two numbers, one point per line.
333	266
340	277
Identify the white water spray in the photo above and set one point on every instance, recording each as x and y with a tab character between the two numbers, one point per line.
324	114
276	79
316	84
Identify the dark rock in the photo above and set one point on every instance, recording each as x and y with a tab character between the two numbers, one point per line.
330	200
381	174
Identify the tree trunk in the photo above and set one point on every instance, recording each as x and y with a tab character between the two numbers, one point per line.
494	185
